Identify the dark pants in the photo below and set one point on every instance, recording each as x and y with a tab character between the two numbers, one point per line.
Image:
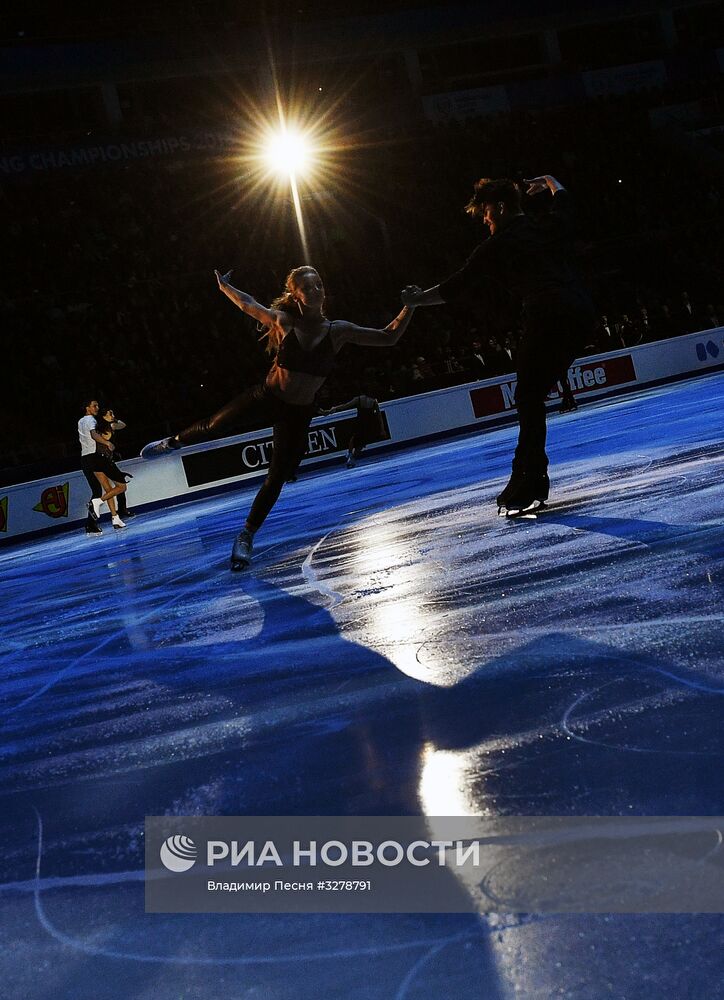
290	426
88	464
556	329
367	428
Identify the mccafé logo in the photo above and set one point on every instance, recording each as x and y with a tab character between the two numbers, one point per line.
54	501
4	514
499	398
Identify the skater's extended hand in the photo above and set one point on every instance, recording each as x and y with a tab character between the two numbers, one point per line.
537	184
222	279
408	294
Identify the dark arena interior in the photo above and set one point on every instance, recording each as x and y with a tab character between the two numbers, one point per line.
393	651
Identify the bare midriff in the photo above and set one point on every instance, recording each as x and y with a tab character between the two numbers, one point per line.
295	388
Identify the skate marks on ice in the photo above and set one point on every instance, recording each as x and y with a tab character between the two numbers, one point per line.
90	946
592	713
397	950
434	576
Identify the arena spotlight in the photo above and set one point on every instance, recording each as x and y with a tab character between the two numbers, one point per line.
288	152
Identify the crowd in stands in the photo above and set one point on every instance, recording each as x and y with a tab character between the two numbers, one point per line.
110	289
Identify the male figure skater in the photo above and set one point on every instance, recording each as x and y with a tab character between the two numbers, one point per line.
532	260
89	438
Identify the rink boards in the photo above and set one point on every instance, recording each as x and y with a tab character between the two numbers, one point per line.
55	503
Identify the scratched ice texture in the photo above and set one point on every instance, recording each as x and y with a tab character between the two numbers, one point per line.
396	648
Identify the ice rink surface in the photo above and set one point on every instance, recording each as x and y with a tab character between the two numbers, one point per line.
396	648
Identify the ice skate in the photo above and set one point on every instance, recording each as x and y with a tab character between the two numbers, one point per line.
351	460
156	449
523	494
117	522
241	552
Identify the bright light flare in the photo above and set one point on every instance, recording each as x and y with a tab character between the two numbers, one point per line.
288	153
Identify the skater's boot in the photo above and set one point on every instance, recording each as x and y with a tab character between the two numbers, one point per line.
241	552
511	488
94	508
541	486
525	491
157	449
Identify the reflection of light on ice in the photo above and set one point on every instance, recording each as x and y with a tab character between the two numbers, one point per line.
445	783
398	626
449	787
397	618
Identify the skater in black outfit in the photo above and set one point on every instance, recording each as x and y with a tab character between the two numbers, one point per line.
531	259
367	426
304	343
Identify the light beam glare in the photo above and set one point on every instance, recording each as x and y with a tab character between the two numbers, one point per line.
300	217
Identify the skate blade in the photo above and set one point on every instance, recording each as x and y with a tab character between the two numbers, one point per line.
528	511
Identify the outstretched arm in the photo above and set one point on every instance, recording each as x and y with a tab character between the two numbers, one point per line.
246	302
350	333
413	295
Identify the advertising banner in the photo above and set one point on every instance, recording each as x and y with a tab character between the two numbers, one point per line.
16	161
228	461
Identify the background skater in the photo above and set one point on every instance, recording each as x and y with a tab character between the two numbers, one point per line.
367	426
531	258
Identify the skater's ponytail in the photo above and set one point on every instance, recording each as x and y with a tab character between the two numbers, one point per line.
286	302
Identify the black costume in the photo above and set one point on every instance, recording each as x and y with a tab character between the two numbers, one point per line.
367	425
107	460
261	406
531	260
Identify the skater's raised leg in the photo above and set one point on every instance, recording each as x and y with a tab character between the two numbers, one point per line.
252	404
